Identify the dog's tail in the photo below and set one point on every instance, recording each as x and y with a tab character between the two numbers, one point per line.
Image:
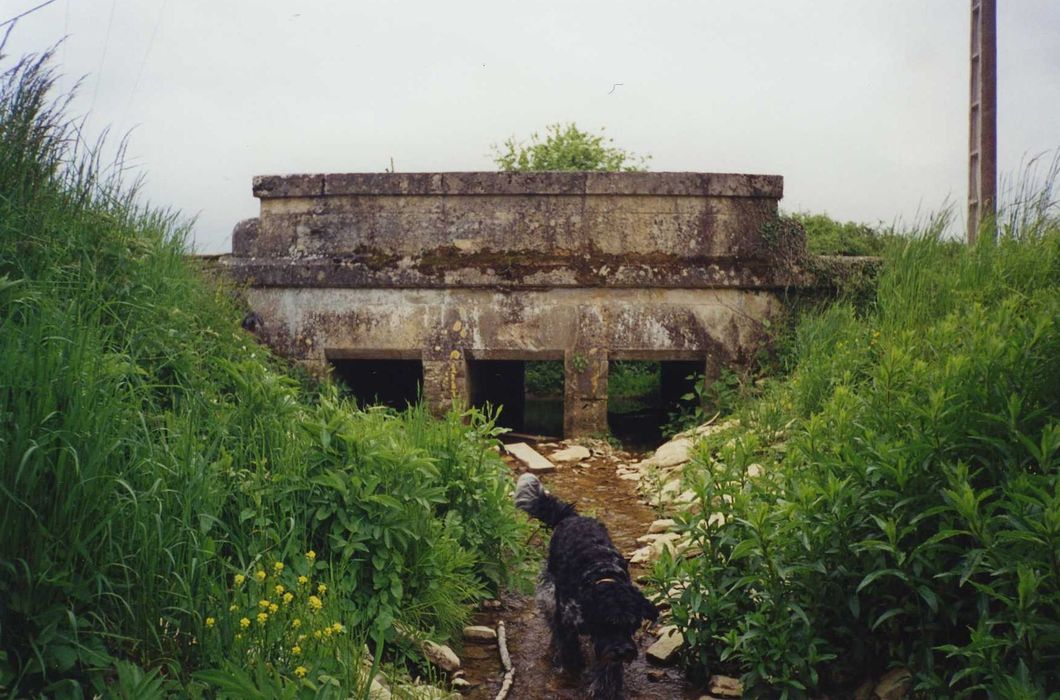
531	496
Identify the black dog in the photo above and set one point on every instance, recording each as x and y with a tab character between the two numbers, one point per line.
585	589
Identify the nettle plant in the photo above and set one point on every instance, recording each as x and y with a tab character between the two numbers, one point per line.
909	509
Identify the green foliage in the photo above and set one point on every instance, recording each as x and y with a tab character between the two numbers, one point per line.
544	378
150	449
909	506
566	147
826	236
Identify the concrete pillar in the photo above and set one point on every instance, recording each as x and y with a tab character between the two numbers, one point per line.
585	392
445	382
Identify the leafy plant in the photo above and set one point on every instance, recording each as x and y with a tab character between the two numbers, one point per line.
909	508
565	147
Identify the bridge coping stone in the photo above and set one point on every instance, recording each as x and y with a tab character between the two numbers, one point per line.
503	183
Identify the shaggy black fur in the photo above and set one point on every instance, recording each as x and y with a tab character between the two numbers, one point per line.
585	589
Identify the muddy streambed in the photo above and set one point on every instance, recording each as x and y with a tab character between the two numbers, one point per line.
597	491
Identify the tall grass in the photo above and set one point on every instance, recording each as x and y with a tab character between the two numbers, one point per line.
909	507
150	450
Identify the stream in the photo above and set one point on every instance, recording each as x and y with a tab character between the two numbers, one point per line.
597	491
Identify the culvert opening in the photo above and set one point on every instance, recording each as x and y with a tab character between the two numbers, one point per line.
393	383
646	398
529	392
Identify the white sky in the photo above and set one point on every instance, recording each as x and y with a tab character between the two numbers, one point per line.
861	106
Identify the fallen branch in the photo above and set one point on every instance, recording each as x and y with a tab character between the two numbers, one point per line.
506	661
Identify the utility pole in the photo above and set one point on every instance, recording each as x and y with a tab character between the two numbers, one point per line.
982	133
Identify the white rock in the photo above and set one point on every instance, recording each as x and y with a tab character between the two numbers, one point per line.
673	453
441	656
480	633
725	686
574	453
378	691
664	648
662	525
754	470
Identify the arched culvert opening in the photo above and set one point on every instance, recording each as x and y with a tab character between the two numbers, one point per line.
645	397
396	383
530	393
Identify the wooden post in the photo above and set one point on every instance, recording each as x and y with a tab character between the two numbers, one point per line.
982	136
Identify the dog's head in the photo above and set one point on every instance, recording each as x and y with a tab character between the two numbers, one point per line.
615	611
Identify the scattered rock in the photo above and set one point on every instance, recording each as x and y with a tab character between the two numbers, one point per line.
725	686
530	457
491	604
462	684
655	675
662	525
480	633
894	685
658	537
441	656
378	691
754	470
670	454
664	648
574	453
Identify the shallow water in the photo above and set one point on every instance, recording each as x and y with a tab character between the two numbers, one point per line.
599	492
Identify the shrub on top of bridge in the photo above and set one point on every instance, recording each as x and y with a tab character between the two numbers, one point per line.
566	147
909	507
151	452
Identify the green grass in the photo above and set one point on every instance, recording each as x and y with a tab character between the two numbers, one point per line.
909	512
150	450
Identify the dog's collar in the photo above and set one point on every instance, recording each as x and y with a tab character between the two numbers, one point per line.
604	580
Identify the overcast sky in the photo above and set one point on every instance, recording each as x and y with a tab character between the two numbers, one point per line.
861	106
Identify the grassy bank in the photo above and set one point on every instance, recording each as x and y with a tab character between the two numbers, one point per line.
165	482
908	511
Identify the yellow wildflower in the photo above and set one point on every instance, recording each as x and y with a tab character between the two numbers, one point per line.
279	589
233	607
300	638
260	575
210	622
315	602
244	623
303	580
263	603
296	650
322	589
287	598
301	671
239	635
262	617
273	607
278	566
316	634
337	627
311	555
239	579
296	623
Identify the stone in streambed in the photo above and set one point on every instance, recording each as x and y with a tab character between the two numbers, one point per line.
666	646
574	453
480	633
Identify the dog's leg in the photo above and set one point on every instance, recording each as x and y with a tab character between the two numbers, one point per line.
565	636
607	681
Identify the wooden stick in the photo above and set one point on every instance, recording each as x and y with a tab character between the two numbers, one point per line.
506	661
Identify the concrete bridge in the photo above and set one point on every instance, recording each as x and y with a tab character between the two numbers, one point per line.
454	280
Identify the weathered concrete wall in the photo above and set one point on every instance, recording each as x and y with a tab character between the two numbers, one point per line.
457	267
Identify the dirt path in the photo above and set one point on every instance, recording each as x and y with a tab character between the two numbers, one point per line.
597	491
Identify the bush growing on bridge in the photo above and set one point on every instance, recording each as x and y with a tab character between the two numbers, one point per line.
150	451
909	510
